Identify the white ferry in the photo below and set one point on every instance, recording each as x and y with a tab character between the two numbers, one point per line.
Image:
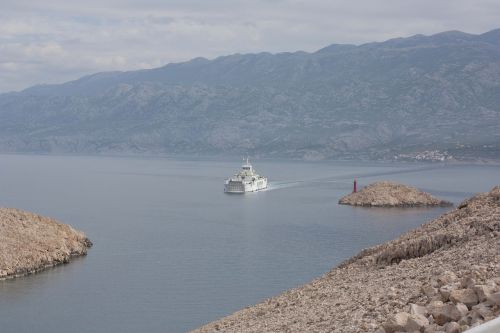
247	180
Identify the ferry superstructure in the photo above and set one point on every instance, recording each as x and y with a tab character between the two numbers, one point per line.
247	180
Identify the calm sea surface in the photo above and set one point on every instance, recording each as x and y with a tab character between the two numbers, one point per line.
172	251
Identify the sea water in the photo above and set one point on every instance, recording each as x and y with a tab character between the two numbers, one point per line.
172	251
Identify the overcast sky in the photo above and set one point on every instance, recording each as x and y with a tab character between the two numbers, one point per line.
60	40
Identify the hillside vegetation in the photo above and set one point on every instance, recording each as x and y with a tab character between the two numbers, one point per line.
373	100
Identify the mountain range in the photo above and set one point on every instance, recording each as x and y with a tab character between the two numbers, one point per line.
376	100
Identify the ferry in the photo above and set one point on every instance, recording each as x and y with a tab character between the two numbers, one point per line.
247	180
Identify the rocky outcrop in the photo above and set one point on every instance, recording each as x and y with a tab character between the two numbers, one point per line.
390	194
30	243
450	312
441	277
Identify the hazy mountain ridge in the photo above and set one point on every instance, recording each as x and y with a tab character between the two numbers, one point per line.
377	99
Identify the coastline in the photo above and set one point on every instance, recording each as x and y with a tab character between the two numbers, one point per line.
366	292
30	243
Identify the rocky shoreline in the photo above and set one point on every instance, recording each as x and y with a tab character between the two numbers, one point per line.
443	276
391	194
30	243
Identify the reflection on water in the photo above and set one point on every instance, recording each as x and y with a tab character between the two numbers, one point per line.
173	251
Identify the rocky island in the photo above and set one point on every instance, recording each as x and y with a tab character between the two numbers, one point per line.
391	194
443	276
30	243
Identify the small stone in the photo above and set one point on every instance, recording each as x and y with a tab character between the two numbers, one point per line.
467	282
483	291
418	309
445	313
445	292
466	296
445	278
435	304
416	322
433	328
429	290
476	319
452	327
462	308
494	299
483	309
465	320
495	282
396	323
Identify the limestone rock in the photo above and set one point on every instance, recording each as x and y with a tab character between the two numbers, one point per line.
465	296
416	322
405	322
467	282
445	292
494	299
452	327
397	322
483	292
416	309
444	313
446	278
429	290
476	318
482	310
433	328
465	320
462	308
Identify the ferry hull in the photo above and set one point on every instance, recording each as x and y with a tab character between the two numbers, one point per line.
240	187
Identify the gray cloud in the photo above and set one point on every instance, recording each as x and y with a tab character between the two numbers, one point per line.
56	41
